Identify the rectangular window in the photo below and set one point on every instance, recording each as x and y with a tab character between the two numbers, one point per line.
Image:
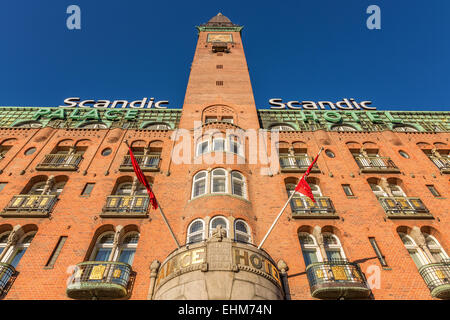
348	190
219	66
430	187
219	83
87	189
56	251
2	185
377	250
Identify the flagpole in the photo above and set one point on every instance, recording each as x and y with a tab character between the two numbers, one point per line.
162	213
282	210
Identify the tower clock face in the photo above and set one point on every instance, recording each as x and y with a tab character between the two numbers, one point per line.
220	37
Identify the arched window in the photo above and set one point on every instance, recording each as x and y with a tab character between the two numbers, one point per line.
435	248
103	247
310	249
377	190
219	181
405	128
342	128
157	126
199	184
127	247
414	251
242	231
333	247
396	190
124	189
216	221
4	240
17	251
196	231
238	184
94	125
281	127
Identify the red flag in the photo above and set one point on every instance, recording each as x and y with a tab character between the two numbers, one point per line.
303	186
143	180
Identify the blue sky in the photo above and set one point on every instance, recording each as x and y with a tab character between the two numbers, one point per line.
296	50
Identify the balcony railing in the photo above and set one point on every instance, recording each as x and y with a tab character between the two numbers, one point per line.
146	162
442	163
99	280
6	272
404	207
126	206
29	205
63	162
437	278
296	164
303	207
376	164
337	279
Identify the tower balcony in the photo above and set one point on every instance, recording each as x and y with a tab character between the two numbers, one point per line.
373	164
437	278
99	280
218	46
304	208
60	162
148	162
442	163
218	269
299	163
125	206
404	208
29	205
337	279
6	272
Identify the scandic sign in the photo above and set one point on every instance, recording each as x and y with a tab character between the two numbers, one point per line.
344	104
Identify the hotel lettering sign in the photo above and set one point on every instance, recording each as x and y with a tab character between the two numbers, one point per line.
345	104
197	259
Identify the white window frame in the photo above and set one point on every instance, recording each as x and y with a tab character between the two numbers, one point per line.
99	245
225	176
244	184
10	254
435	248
227	228
195	233
123	245
247	234
414	247
195	180
199	144
311	247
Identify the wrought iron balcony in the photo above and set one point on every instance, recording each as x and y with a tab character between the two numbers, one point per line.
442	163
30	205
125	206
146	162
373	164
99	280
404	207
296	163
6	272
60	162
337	279
303	207
437	278
220	47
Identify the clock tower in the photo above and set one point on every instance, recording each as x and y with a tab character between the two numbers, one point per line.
219	87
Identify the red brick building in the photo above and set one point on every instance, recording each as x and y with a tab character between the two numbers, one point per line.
75	223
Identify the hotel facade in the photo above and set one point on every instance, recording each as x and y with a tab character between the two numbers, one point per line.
76	224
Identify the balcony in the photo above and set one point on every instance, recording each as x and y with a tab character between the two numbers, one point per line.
304	208
29	205
220	47
60	162
125	206
146	162
337	279
296	164
373	164
99	280
442	163
404	208
6	273
437	278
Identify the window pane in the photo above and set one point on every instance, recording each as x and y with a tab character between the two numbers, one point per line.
219	145
102	254
87	189
240	226
199	188
309	256
196	226
237	188
127	256
333	255
195	238
415	256
242	238
219	184
17	256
